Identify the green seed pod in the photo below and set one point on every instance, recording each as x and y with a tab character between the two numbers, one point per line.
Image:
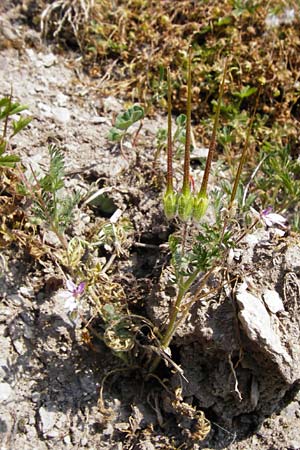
200	206
170	204
185	206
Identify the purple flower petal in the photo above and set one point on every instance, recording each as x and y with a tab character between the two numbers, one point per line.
71	286
80	288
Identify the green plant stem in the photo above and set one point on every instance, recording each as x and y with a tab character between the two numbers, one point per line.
212	145
169	145
186	167
52	223
243	156
173	322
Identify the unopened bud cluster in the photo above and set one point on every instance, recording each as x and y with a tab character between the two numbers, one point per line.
185	205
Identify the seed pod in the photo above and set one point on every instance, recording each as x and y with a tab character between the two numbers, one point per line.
200	206
170	204
185	204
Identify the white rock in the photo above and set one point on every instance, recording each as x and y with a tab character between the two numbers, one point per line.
273	301
199	152
63	115
256	323
61	99
111	104
5	392
48	419
49	60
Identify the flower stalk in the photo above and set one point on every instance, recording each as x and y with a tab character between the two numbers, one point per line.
170	197
186	199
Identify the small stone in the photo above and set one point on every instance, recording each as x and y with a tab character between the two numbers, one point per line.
63	115
273	301
15	299
53	433
62	99
48	419
19	346
35	397
28	332
49	60
83	441
199	153
111	104
292	258
294	445
5	392
67	440
145	445
26	291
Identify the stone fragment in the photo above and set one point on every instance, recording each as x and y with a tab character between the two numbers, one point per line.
47	419
5	392
61	114
256	323
273	301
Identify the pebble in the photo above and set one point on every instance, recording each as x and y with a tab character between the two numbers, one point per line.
19	346
15	299
294	445
35	397
67	440
61	114
48	419
273	301
26	291
5	392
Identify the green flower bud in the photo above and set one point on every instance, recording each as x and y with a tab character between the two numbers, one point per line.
185	205
170	204
200	206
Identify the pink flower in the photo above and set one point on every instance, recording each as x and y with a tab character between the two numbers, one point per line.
272	219
72	294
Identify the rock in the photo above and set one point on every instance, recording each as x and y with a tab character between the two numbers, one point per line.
26	291
5	392
67	440
292	258
47	418
256	323
273	301
111	104
62	99
35	397
15	299
48	60
144	445
61	114
20	346
199	153
294	445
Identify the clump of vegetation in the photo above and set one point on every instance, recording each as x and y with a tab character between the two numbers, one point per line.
10	110
130	46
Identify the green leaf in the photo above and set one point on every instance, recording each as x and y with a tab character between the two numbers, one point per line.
129	117
115	135
246	91
9	160
223	21
181	120
7	108
20	124
3	145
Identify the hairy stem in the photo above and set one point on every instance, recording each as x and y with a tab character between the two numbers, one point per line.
170	149
186	167
212	145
